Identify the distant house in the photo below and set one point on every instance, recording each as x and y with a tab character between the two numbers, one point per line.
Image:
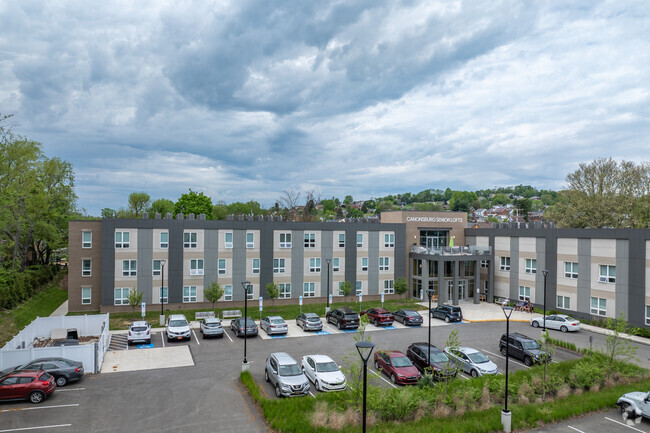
481	225
535	216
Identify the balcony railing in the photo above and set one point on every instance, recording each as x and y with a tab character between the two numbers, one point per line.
468	250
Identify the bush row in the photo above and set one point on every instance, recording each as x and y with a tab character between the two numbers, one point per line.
17	286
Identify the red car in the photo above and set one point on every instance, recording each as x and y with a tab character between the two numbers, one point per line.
397	366
32	385
379	316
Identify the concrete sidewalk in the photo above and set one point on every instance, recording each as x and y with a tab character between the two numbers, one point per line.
62	310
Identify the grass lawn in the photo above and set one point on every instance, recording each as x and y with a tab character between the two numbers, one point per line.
41	304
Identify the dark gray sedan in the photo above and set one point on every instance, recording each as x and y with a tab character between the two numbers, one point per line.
408	317
64	370
309	322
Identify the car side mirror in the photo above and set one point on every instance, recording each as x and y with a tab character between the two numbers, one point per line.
274	371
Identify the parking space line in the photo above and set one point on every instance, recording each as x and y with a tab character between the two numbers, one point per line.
70	389
503	357
226	332
36	428
624	425
382	378
162	337
312	394
56	406
197	340
575	429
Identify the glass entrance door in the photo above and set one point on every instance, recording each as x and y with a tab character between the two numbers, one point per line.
462	290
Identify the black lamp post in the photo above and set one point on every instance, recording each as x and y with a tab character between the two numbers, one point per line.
545	272
364	348
327	309
246	285
505	414
162	289
430	295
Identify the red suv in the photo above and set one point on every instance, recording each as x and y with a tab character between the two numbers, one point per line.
379	316
397	366
32	385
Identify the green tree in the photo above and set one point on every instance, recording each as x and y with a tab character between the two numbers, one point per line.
461	201
328	205
346	288
347	200
134	299
195	203
220	210
549	351
213	293
163	206
108	213
273	290
450	369
617	346
400	286
138	202
500	198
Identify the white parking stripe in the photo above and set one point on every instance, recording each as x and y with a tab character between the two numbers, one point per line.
40	407
575	429
382	378
225	332
35	428
162	337
197	340
503	357
312	394
70	389
624	425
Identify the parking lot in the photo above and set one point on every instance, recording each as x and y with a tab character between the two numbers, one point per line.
206	396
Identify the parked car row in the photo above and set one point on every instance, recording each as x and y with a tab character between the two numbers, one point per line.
291	380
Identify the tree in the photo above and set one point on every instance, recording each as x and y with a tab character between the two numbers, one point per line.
273	290
195	203
163	206
138	202
134	299
400	286
346	288
450	370
328	205
461	201
617	347
213	293
108	213
347	200
547	351
288	200
500	198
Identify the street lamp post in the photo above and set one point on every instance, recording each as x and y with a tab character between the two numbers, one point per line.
246	285
327	308
545	272
364	348
430	295
506	416
162	289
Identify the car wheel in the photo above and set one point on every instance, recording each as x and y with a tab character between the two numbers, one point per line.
392	377
203	336
277	391
446	319
148	341
317	385
376	365
504	351
338	325
36	396
627	412
528	361
61	381
564	328
474	373
376	322
266	375
535	324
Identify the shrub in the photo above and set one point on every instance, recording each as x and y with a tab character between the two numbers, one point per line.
586	374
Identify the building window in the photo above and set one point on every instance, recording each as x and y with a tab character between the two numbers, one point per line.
310	240
129	268
256	266
417	267
122	240
86	268
359	287
341	240
359	240
599	306
196	267
285	290
389	240
336	264
156	268
314	264
85	295
384	264
189	239
607	274
309	290
531	266
250	240
571	270
484	264
341	288
227	292
86	240
221	267
163	295
564	302
189	294
388	287
164	240
285	240
364	264
524	293
278	266
227	240
647	314
505	264
249	292
122	296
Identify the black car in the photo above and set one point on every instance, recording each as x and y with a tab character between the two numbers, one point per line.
237	326
408	317
343	318
448	313
63	370
524	348
309	322
439	362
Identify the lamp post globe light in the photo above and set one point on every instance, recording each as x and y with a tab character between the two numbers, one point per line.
245	285
365	349
545	272
506	416
327	308
162	289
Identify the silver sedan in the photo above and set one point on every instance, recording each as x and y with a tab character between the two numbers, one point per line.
561	322
471	361
274	325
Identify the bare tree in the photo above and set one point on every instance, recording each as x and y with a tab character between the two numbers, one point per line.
312	198
289	201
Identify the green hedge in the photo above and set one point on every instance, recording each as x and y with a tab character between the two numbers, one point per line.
17	286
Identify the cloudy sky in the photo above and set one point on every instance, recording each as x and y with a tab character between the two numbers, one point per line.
244	99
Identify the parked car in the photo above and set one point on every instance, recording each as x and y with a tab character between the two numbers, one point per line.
237	326
557	321
139	330
177	328
274	325
439	362
379	316
448	313
63	370
408	317
397	366
323	372
343	318
635	404
471	361
309	322
32	385
211	327
286	376
524	348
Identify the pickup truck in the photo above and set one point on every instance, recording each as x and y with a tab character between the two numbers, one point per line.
635	404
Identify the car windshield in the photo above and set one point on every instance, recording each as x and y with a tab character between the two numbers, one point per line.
290	370
478	358
278	321
411	313
313	319
401	361
177	323
250	322
326	367
438	357
212	324
530	345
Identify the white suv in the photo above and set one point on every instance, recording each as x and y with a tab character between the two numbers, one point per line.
139	330
177	328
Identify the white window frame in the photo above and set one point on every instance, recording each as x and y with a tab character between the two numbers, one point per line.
571	270
86	243
227	243
250	292
156	272
359	240
227	292
285	240
86	295
250	240
310	240
189	293
340	292
164	243
314	264
336	264
285	290
278	266
524	293
86	271
122	243
647	314
190	239
384	263
255	266
606	276
504	264
389	287
531	266
309	290
131	269
600	308
163	295
341	240
389	240
563	302
221	270
122	299
358	287
196	267
364	264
